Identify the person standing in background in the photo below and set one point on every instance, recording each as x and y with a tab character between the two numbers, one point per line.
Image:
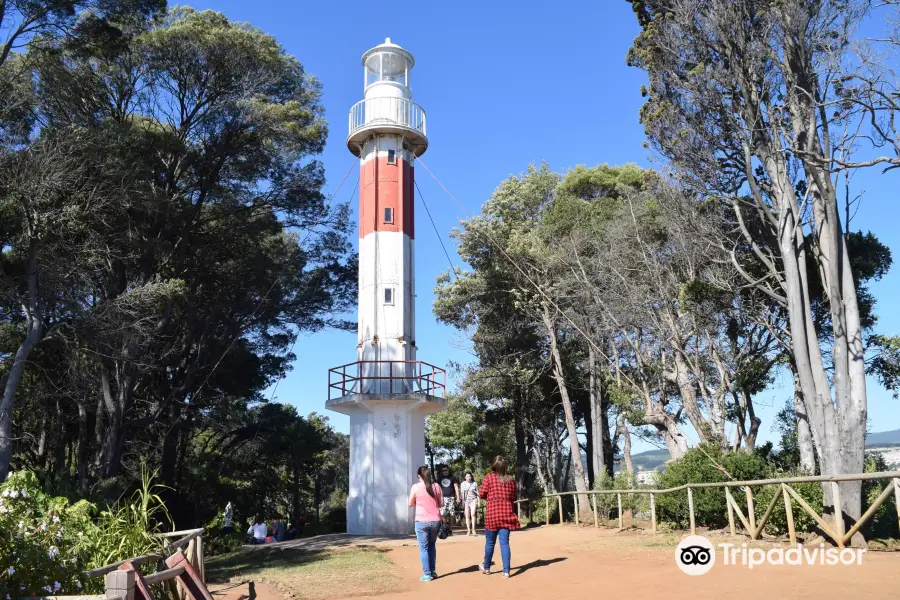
450	491
499	489
278	530
229	519
469	491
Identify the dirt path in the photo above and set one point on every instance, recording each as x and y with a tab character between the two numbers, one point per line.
564	562
243	591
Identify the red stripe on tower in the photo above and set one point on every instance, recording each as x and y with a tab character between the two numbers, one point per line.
386	196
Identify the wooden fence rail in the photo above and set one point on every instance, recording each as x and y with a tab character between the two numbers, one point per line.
183	570
754	528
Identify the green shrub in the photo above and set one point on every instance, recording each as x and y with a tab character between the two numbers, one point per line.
46	543
216	541
884	522
608	504
334	519
539	510
701	465
127	528
777	523
41	540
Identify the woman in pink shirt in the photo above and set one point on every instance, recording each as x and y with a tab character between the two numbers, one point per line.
426	497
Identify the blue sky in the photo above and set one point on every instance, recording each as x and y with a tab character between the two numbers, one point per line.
504	84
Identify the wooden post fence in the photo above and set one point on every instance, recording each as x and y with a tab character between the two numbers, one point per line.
787	496
691	509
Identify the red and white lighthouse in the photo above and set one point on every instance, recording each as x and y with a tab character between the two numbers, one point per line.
387	392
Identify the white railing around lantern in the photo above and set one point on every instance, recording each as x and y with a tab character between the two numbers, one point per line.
400	112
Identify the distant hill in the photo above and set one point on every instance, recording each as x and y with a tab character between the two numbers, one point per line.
883	438
651	460
654	460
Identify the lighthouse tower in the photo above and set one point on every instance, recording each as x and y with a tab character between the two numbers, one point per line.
387	392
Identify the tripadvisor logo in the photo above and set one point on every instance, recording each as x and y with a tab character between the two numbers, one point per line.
696	555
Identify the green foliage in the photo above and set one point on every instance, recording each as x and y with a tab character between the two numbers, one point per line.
334	520
777	523
215	539
702	465
608	504
699	466
884	521
174	176
41	549
46	543
127	528
539	511
453	432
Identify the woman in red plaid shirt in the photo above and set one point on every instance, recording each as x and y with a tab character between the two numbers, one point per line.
499	490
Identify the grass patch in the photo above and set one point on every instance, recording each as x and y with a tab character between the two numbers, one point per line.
314	574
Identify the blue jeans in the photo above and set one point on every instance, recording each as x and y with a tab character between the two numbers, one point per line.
490	540
427	535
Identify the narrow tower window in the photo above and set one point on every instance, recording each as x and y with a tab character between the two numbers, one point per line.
392	157
388	215
388	295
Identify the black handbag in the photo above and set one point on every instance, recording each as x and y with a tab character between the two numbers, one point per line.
444	531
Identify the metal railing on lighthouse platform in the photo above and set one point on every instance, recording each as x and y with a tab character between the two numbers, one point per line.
387	377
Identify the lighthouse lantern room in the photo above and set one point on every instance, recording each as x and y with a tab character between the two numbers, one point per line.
387	392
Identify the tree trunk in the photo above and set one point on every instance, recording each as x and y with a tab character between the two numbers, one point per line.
749	436
589	450
169	460
804	434
59	449
41	458
825	420
34	329
543	474
113	441
559	375
521	449
81	454
689	400
622	429
596	427
608	446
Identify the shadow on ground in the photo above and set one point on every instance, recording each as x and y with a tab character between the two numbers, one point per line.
242	563
536	564
516	571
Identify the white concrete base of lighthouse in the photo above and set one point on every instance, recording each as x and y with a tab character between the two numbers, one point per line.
387	446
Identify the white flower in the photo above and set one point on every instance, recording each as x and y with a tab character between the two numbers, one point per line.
56	586
21	524
59	535
80	534
24	493
11	570
53	552
48	588
43	526
8	597
13	494
4	493
78	584
55	519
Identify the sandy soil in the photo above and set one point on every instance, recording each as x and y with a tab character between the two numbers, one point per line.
565	562
570	562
